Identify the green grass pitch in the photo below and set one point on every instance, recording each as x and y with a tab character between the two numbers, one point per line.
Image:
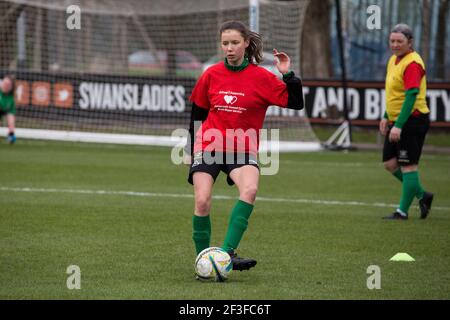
123	215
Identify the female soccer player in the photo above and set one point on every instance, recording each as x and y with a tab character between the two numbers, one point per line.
406	121
7	106
230	101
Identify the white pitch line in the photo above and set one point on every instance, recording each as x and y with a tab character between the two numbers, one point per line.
219	197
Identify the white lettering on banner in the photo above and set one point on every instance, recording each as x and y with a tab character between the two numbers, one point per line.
305	92
107	96
117	96
170	94
179	94
336	98
364	103
446	103
156	97
383	103
98	91
84	101
372	99
433	95
353	101
128	97
145	105
135	97
320	104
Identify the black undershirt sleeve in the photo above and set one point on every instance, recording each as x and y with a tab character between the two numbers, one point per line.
295	91
197	114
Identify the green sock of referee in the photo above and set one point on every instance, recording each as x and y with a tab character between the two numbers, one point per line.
410	188
237	225
399	175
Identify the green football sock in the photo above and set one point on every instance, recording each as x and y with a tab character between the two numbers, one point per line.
410	188
399	175
420	190
237	225
201	232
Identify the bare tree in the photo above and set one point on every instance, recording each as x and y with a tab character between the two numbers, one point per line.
9	13
441	37
425	39
316	42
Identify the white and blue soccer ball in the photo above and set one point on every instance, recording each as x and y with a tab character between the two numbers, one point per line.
213	263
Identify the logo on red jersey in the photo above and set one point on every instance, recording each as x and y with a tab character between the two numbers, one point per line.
230	99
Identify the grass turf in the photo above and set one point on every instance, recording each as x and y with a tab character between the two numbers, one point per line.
139	246
370	135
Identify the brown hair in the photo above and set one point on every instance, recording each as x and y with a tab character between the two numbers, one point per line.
12	78
254	51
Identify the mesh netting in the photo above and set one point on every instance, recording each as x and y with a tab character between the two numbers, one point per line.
131	66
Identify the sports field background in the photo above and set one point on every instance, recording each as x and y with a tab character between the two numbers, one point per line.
123	215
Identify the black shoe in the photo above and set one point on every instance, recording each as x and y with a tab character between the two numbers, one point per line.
396	216
425	204
241	263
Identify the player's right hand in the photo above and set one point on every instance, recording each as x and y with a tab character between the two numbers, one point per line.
383	127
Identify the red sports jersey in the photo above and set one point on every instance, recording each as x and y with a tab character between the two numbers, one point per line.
237	103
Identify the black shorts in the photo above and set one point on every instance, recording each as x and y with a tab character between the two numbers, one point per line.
213	163
409	149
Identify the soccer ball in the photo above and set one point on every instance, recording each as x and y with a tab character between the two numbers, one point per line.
213	264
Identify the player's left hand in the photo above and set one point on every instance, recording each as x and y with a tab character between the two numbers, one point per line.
283	62
394	135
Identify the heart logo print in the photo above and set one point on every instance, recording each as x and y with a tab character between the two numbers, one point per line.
230	99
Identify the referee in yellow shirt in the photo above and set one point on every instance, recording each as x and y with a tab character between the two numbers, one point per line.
406	121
